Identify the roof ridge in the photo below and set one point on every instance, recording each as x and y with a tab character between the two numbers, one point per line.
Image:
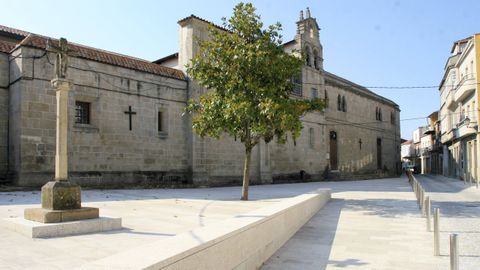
203	20
363	88
14	31
107	57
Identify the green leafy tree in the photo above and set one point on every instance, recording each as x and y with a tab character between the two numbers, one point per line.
248	76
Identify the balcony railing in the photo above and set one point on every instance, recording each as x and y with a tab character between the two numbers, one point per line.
465	88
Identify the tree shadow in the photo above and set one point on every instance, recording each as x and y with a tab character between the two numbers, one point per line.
458	209
388	208
443	184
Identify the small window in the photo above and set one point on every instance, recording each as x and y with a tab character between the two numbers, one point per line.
339	103
379	114
314	93
344	104
161	124
82	112
376	113
316	60
308	56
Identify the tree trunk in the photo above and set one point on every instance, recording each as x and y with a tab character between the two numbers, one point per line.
246	173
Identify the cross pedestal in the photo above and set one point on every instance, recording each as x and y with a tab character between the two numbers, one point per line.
61	200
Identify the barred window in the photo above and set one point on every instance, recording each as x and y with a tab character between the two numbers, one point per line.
82	112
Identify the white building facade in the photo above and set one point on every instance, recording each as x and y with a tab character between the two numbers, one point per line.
459	112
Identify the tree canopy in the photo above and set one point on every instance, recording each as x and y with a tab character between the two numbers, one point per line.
248	75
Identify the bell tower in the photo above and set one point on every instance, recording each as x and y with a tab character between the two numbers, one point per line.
308	37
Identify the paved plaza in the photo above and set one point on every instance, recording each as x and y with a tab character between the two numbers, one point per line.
370	224
459	205
374	224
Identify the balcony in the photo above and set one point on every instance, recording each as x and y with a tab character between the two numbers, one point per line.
465	88
449	135
450	100
466	128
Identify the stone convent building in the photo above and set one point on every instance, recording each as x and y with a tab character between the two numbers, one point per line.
127	125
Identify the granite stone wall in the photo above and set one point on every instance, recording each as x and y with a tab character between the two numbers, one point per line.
4	72
104	152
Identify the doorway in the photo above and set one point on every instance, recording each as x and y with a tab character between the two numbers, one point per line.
333	151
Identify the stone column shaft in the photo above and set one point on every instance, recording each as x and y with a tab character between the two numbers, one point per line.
62	88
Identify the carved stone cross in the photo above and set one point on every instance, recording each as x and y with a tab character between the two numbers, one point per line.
61	61
130	113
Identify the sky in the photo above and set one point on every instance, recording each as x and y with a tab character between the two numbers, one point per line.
374	43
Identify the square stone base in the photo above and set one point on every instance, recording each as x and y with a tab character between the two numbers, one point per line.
45	230
54	216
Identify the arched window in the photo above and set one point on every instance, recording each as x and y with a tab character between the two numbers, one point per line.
344	104
339	103
316	59
380	114
376	113
308	56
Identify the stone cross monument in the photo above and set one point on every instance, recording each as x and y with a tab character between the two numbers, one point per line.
61	200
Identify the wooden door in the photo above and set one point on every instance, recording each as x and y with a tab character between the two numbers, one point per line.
379	153
333	151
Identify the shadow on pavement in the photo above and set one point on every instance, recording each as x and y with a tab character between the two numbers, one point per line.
382	207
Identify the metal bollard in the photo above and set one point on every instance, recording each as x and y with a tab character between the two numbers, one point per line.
454	251
436	232
422	205
420	200
428	213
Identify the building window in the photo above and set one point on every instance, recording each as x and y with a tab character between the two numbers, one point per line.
316	60
297	85
379	114
314	93
339	103
82	112
308	56
344	104
161	124
392	118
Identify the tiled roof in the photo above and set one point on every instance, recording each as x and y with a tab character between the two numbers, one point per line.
13	31
357	88
6	47
203	20
108	57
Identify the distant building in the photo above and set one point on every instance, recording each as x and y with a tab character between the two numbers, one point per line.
459	112
407	153
431	151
